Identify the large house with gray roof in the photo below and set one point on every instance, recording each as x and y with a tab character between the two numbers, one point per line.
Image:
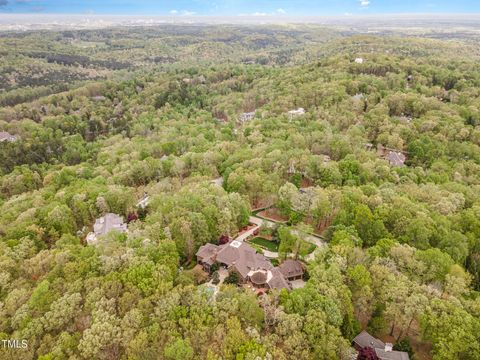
105	224
251	267
384	351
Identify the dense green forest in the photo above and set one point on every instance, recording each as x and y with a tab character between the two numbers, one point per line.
101	118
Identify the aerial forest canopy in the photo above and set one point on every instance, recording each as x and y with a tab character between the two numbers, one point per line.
379	165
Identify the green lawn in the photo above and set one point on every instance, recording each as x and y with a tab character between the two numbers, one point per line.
264	243
306	248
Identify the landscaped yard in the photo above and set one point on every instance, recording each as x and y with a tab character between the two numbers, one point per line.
264	243
306	248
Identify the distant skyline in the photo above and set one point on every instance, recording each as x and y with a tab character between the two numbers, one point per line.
258	8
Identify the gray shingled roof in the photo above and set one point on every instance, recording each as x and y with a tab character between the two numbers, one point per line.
207	251
291	268
364	339
396	158
391	355
278	281
243	257
107	223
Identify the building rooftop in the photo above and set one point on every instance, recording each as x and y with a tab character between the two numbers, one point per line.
396	158
291	268
6	136
277	281
104	225
383	351
364	339
252	266
391	355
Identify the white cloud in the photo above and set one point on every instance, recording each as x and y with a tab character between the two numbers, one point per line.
364	3
182	13
259	14
277	12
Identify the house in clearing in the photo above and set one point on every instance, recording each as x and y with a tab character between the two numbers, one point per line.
5	136
394	157
105	224
295	113
251	267
384	351
359	60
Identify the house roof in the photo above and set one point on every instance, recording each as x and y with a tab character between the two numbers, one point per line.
276	280
7	136
291	268
207	251
364	339
392	355
259	277
248	261
107	223
243	257
396	158
233	251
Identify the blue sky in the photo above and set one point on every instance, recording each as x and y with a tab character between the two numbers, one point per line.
239	7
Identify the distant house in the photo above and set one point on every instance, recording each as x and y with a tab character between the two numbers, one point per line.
251	267
143	203
394	157
359	60
358	97
218	181
295	113
247	116
104	225
383	350
5	136
99	98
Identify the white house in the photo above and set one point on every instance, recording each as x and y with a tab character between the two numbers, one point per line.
359	60
295	113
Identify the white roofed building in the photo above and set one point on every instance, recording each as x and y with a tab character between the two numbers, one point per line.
295	113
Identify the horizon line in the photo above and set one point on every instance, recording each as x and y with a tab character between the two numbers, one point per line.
265	15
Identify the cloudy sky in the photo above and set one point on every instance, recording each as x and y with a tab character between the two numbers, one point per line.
239	7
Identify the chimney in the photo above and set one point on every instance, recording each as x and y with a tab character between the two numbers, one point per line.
388	347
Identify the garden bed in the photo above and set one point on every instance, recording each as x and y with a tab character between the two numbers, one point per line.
264	243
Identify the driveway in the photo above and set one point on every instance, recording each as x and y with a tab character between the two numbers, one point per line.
253	220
